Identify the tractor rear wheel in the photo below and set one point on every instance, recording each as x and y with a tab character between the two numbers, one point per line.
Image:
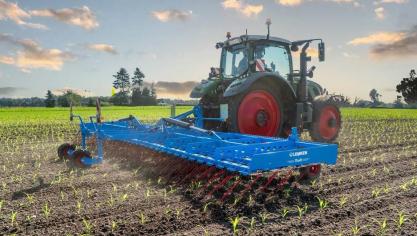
326	121
75	160
63	150
257	111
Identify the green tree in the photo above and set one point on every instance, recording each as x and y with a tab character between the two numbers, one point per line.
374	95
69	98
50	100
120	99
408	88
137	98
122	81
137	79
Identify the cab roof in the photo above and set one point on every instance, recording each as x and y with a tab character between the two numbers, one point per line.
242	38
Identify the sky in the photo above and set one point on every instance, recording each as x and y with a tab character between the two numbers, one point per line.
54	45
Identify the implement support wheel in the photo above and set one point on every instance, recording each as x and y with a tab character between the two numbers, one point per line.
75	160
63	150
308	174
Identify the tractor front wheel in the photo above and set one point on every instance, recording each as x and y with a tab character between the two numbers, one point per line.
257	112
326	121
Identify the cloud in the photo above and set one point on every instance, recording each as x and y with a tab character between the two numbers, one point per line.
292	3
406	46
7	91
242	7
82	17
380	13
11	11
380	37
7	60
289	2
394	1
33	56
173	14
103	48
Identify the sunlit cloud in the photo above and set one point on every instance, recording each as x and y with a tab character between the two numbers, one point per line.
299	2
394	1
381	37
7	60
390	44
242	7
103	48
82	17
32	56
170	15
11	11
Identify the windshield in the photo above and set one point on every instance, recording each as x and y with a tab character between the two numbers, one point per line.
235	61
272	58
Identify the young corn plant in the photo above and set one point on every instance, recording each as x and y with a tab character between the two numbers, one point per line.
113	226
13	217
1	204
401	219
46	210
234	222
356	228
142	218
284	212
322	203
87	226
263	216
383	225
252	224
342	201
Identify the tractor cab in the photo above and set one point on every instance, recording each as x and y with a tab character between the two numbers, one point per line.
257	91
250	54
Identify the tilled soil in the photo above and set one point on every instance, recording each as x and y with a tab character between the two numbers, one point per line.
371	191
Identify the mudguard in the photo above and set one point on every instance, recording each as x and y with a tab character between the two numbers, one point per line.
240	85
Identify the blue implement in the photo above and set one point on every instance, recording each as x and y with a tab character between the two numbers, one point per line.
246	154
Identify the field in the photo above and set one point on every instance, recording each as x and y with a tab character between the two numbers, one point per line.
371	191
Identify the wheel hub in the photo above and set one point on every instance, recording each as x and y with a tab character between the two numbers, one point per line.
261	118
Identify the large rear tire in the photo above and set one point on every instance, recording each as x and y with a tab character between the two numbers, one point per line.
258	111
327	121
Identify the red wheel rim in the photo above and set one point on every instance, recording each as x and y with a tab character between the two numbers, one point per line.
329	122
314	170
259	114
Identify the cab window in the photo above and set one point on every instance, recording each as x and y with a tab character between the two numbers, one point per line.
272	58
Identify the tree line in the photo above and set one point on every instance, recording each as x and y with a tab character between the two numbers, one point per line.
131	91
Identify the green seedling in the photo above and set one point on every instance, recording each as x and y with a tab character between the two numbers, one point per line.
13	217
284	212
142	218
263	216
123	197
46	210
401	219
383	225
252	223
343	201
234	222
88	227
322	203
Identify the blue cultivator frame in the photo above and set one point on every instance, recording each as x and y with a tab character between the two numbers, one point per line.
246	154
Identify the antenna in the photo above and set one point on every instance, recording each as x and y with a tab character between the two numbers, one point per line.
246	32
268	24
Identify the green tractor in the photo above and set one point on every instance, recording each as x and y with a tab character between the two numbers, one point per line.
257	91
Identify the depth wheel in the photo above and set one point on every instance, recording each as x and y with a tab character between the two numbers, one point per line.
326	121
63	150
309	174
75	160
257	112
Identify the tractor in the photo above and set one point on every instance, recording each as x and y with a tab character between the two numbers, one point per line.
257	91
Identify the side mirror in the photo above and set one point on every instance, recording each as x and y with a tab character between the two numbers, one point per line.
294	47
322	53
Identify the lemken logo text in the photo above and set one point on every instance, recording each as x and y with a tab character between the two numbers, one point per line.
297	154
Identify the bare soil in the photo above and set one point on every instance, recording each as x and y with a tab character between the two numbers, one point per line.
138	192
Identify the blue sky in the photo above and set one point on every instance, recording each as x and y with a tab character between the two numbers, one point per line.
80	44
